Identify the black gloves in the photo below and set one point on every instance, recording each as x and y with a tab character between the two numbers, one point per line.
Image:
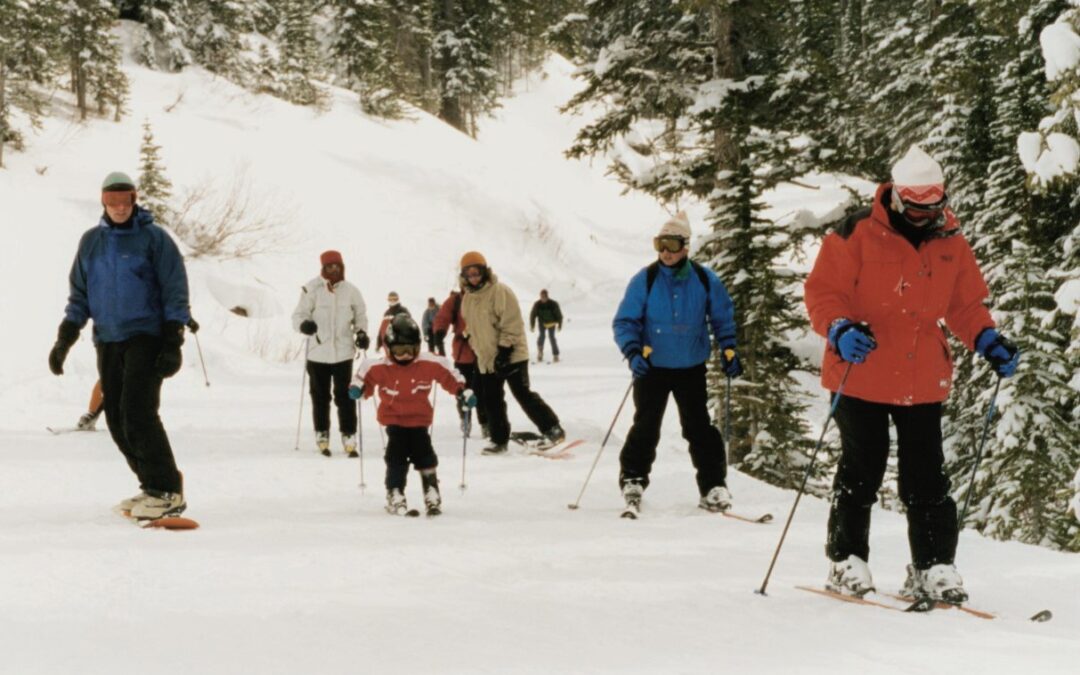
362	340
502	361
193	325
65	337
308	327
169	358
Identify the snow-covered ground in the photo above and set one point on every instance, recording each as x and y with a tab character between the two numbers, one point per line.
295	569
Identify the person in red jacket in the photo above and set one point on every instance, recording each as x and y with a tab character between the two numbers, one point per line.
449	316
404	378
879	288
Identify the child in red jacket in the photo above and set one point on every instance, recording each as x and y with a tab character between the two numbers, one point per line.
404	378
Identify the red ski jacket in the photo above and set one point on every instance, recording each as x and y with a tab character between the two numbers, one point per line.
449	314
405	390
867	271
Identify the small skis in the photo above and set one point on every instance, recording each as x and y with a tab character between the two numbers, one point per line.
164	523
557	451
632	510
763	519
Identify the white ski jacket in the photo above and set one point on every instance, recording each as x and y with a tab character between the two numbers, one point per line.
339	314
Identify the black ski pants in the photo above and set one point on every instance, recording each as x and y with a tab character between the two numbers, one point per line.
922	483
471	373
405	445
132	391
494	400
327	377
651	393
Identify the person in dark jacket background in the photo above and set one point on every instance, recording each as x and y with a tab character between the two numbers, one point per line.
669	308
547	312
129	277
435	343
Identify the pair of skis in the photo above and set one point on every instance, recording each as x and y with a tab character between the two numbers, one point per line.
917	605
633	510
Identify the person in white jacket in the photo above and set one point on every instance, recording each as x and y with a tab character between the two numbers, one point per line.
331	312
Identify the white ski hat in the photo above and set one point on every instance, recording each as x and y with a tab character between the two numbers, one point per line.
918	179
676	226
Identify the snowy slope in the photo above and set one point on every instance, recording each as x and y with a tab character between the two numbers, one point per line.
295	570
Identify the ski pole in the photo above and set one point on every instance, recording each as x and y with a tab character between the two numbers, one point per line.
201	360
303	381
466	426
727	416
596	460
806	477
360	439
978	454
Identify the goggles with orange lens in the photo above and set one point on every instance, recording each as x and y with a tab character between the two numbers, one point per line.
669	244
118	199
400	351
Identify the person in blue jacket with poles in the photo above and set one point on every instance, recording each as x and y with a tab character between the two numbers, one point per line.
129	277
662	328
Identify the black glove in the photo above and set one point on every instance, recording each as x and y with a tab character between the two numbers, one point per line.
502	360
730	363
193	325
169	358
308	327
362	340
65	337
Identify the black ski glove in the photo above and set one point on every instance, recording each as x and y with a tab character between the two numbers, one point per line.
502	361
362	340
66	336
169	358
308	327
193	325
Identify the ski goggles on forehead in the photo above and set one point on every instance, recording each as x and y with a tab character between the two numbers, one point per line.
669	244
405	350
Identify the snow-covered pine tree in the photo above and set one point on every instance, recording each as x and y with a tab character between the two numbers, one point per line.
466	34
1022	484
25	27
361	54
155	189
688	87
164	45
215	31
91	51
299	61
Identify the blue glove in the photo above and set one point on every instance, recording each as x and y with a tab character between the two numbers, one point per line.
1002	354
852	341
466	399
639	366
355	392
730	363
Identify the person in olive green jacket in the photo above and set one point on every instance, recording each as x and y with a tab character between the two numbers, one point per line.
496	332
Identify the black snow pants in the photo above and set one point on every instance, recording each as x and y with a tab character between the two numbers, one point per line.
405	445
323	377
132	391
650	401
494	401
922	483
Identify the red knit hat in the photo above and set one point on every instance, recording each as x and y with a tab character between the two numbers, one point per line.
331	257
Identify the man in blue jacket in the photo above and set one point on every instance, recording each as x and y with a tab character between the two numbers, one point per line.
662	328
129	277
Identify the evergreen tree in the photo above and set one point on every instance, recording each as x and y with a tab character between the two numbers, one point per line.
155	189
167	31
690	86
1021	486
464	50
299	61
92	53
24	27
361	52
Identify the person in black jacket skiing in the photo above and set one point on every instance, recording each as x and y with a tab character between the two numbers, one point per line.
547	312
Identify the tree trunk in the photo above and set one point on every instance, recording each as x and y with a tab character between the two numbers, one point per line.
3	111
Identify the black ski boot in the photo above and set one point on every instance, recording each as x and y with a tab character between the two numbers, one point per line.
432	498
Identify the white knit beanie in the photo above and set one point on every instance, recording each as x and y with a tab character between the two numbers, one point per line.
918	179
676	226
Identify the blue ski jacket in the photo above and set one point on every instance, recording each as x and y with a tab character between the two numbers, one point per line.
674	316
129	281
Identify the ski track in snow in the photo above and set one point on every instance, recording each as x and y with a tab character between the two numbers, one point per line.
294	570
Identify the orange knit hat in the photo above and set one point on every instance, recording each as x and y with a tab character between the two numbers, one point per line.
473	258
